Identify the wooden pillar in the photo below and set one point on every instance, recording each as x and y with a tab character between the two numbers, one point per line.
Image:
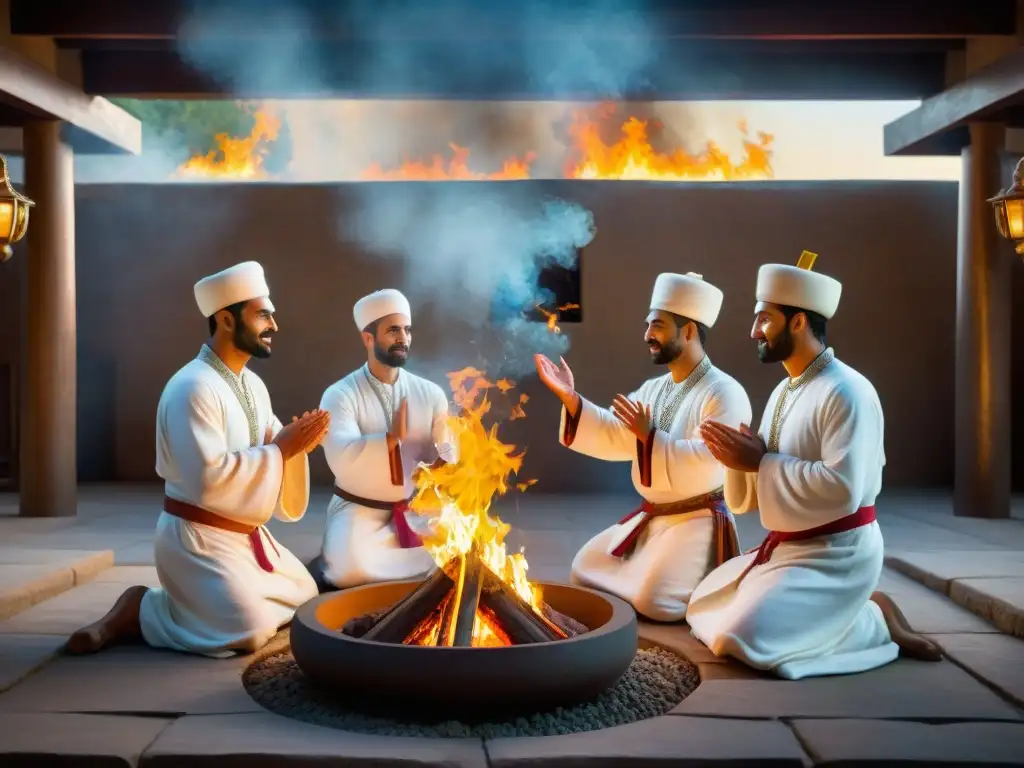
49	473
983	326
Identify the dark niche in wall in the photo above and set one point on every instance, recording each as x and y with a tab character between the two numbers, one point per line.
556	292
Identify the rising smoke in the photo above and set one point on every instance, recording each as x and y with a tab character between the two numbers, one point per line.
474	250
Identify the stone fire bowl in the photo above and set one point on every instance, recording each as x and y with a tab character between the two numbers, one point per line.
463	683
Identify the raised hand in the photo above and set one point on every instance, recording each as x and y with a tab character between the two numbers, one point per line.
635	415
557	378
740	449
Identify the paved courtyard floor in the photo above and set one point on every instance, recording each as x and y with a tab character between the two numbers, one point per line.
960	580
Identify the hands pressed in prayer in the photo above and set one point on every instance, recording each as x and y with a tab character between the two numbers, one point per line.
740	449
400	427
303	434
557	378
635	415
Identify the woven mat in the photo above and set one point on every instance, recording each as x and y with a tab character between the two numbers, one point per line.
653	684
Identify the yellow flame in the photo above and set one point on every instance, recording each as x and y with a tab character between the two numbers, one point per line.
464	491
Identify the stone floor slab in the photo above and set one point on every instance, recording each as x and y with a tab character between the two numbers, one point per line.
134	680
678	639
675	741
23	654
937	569
927	610
905	689
63	614
96	741
23	586
999	601
887	742
996	659
263	740
136	554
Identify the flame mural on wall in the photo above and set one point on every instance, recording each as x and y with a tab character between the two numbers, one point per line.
625	152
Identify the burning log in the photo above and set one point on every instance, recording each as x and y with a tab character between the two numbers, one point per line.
459	630
407	614
516	616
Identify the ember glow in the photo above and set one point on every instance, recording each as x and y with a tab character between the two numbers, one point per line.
552	317
601	142
464	491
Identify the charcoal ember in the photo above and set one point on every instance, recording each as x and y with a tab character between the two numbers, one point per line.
360	625
567	624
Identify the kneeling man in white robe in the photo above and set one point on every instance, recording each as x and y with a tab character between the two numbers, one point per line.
655	556
385	421
804	604
228	465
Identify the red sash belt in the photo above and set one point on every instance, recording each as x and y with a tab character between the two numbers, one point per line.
195	514
863	516
713	501
407	537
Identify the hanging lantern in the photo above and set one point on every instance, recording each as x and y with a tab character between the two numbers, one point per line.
13	213
1009	210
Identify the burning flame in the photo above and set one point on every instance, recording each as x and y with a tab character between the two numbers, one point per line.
239	158
632	157
465	490
456	169
552	317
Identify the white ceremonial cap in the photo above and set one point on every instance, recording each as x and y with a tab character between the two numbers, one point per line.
687	295
380	304
798	286
241	282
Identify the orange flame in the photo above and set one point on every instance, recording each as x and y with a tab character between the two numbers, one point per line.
632	157
239	158
552	317
465	490
456	169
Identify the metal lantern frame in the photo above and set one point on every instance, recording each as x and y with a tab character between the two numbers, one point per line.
1008	206
20	206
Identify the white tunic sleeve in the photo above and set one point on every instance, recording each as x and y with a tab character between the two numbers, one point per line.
359	462
243	486
294	498
740	491
684	466
796	495
597	433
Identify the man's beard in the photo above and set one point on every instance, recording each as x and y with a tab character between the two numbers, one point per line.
393	357
778	350
665	353
246	340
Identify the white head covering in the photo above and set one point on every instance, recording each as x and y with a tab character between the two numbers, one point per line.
380	304
241	282
687	295
797	287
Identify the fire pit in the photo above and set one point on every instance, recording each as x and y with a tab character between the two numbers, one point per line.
467	681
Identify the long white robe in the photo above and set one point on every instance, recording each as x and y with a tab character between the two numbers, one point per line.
675	551
214	598
360	543
807	612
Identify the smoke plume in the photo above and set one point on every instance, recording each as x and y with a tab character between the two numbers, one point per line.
474	251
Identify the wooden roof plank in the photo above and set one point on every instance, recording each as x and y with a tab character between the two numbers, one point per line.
27	87
981	96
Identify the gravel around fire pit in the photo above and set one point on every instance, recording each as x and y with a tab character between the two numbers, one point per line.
654	683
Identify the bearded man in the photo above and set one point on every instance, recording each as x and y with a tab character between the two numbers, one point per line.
384	422
228	465
804	604
654	557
